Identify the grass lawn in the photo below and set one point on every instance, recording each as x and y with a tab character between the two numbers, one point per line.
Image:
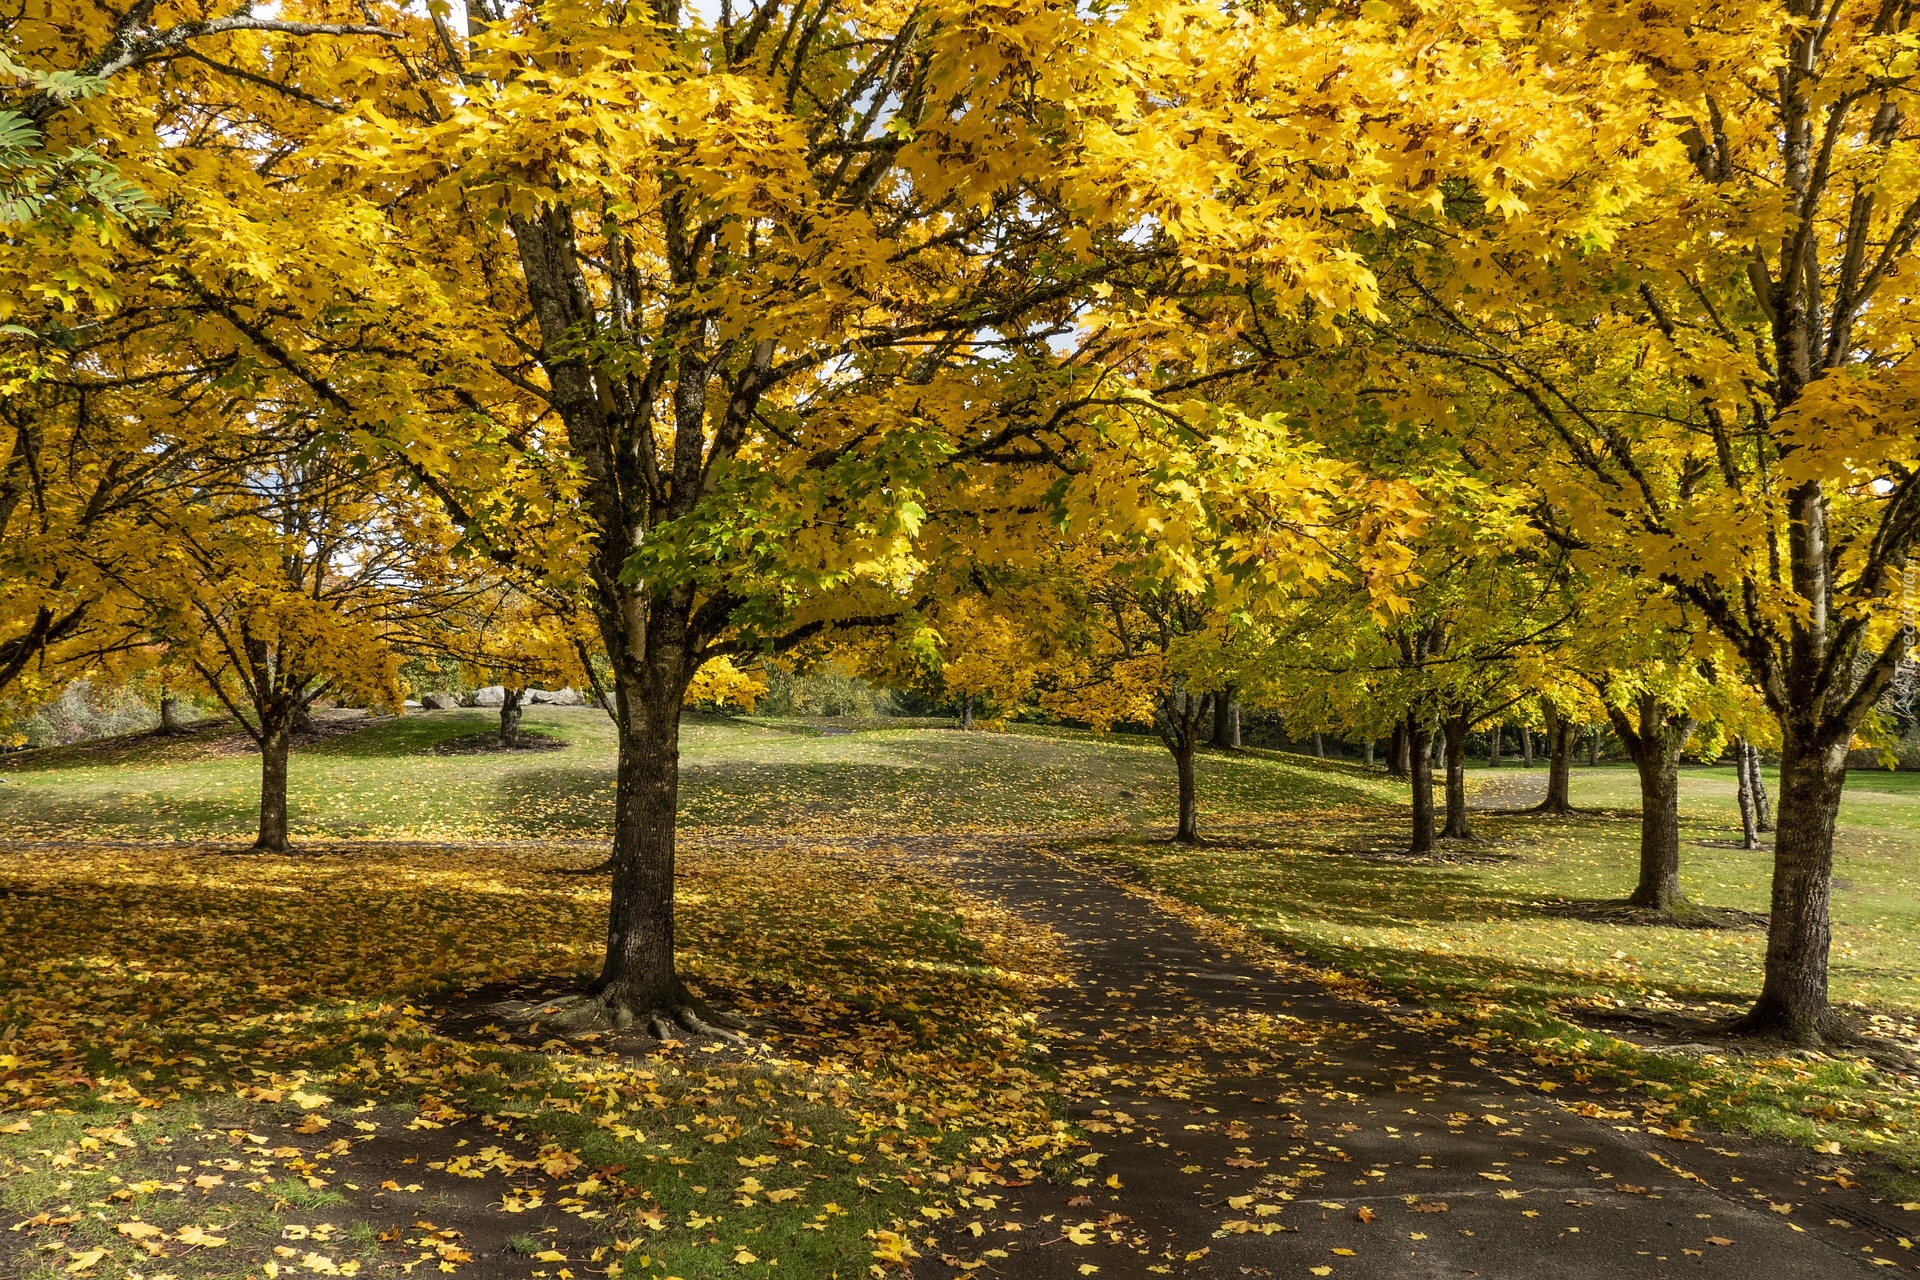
1504	937
198	1048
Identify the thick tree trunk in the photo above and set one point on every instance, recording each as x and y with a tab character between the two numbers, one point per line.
276	741
1793	998
1223	712
1366	753
1493	747
1593	748
1189	829
1559	763
1419	740
638	976
1526	747
1456	750
966	712
510	716
1659	887
1399	756
1319	745
1749	815
1654	737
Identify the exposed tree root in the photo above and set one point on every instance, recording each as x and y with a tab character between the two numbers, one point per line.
1828	1031
1678	915
597	869
676	1020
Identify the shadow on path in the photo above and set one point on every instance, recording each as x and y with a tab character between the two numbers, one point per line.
1247	1122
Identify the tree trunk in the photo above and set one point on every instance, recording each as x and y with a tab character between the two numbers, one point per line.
1793	998
1223	712
1419	739
1749	815
170	714
1319	745
638	976
276	741
966	712
1559	762
1493	747
1762	806
1526	746
1593	748
1654	739
1189	830
1399	754
1236	726
1366	753
1456	750
510	716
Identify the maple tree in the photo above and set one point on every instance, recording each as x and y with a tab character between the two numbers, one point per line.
294	579
103	160
1712	381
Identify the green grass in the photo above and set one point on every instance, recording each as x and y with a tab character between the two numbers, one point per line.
1492	941
385	783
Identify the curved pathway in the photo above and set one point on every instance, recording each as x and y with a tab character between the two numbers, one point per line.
1249	1122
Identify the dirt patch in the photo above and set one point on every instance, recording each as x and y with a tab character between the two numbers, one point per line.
489	743
1892	1041
1621	912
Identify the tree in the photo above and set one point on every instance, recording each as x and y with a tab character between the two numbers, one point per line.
1720	361
756	293
292	581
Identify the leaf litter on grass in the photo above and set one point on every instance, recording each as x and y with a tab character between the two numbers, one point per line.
203	1054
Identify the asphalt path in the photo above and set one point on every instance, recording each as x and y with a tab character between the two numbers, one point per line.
1249	1119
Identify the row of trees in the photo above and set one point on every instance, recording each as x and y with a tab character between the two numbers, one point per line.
1343	354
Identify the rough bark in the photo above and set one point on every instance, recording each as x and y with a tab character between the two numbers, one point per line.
1654	736
1493	747
1526	746
276	741
1455	728
1399	756
1419	740
1366	753
170	721
1749	815
1223	712
1179	721
1319	745
510	716
637	977
1793	997
1560	734
1189	828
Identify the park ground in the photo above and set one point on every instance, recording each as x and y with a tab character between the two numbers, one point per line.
333	1063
